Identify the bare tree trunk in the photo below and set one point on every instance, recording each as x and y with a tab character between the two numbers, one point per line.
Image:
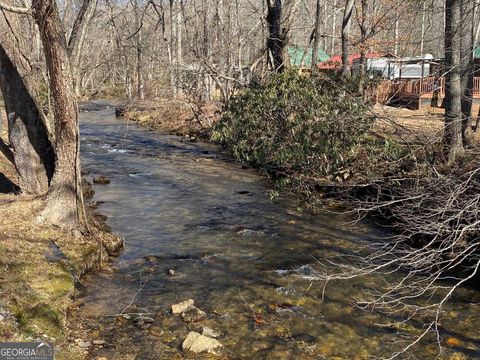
467	63
139	51
453	87
346	25
422	35
395	40
31	151
139	61
179	52
64	196
334	26
476	21
316	34
279	20
275	41
76	41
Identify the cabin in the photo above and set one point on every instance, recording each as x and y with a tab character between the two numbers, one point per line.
418	83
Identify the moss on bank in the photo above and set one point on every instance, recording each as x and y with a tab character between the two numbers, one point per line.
39	268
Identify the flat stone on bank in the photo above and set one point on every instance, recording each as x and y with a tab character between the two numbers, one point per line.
198	343
181	307
84	344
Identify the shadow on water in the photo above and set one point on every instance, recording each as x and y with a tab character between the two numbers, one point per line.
199	226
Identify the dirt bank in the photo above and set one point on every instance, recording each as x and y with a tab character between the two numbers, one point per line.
40	266
173	116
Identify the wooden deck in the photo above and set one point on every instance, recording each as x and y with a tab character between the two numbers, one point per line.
416	93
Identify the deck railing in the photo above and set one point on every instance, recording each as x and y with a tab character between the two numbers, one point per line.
426	85
476	86
387	90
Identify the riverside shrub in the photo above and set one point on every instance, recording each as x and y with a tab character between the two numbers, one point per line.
298	126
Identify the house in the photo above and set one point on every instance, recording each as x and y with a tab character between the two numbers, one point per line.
417	89
392	67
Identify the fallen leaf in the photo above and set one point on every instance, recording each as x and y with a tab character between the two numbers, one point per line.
259	320
451	341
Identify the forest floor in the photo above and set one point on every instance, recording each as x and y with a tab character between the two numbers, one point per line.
420	125
40	266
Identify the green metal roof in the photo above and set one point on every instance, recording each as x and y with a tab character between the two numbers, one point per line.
476	53
301	57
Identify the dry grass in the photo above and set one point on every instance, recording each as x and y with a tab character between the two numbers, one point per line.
418	126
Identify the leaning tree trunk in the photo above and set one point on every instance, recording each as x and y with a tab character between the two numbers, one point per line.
32	153
346	25
453	88
64	193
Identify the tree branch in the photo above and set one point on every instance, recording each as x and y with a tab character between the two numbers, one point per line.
15	9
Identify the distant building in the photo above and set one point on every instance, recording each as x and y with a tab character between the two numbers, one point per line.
301	58
335	62
392	67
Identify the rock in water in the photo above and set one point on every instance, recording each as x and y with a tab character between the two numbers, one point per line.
143	322
198	343
120	111
206	331
181	307
193	314
101	180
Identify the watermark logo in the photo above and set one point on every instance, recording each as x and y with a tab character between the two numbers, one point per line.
26	351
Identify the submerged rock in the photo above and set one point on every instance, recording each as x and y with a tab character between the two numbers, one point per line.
206	331
172	272
143	322
198	343
151	258
120	111
193	314
144	319
101	180
182	306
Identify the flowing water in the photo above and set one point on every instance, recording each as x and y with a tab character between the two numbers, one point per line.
197	225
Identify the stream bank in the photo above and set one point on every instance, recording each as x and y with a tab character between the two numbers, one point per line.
40	267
